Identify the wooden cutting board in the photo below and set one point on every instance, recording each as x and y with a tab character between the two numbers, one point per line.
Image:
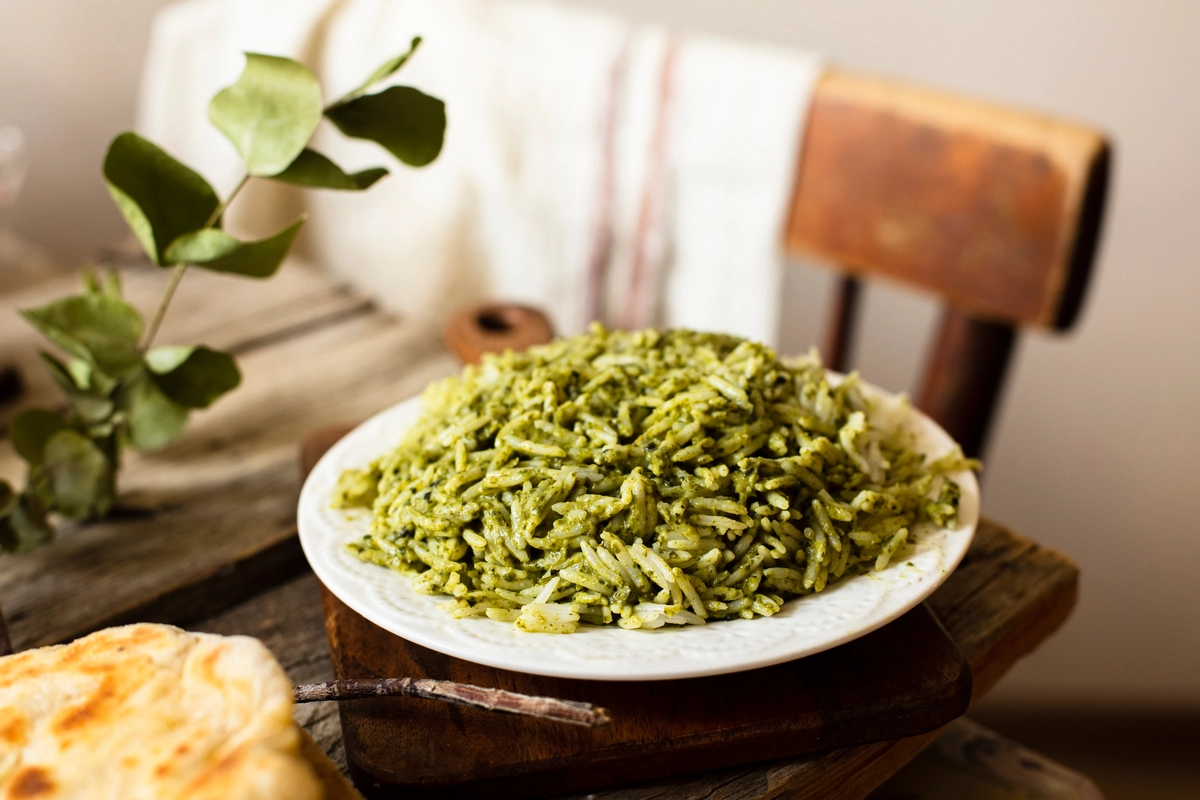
905	679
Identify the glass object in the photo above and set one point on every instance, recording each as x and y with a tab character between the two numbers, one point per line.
20	261
14	161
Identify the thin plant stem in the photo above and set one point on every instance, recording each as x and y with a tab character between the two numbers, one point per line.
573	712
159	312
220	209
177	275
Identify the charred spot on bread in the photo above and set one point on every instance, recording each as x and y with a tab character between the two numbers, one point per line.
31	782
14	727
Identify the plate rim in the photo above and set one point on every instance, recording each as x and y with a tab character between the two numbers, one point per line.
332	579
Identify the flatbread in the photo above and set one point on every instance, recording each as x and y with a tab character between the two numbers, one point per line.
150	711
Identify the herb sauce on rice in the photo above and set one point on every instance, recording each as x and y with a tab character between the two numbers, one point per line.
643	478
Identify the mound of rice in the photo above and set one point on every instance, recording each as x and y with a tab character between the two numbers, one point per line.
644	478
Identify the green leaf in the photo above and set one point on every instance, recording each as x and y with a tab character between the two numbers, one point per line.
160	197
77	374
218	251
313	169
152	419
269	113
25	528
98	328
8	500
408	123
91	281
100	283
97	283
39	487
80	474
162	360
384	70
77	381
193	376
31	430
82	373
64	377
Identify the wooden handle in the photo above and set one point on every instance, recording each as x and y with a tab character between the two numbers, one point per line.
494	328
6	648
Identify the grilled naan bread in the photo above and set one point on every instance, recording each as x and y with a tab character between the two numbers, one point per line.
150	711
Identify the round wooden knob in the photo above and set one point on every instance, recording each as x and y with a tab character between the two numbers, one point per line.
494	328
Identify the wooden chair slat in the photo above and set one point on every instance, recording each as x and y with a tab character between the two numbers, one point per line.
843	320
981	205
995	211
965	374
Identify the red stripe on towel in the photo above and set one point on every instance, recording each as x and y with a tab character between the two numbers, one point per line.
642	298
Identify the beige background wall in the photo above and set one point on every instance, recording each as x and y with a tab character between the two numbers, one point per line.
1096	448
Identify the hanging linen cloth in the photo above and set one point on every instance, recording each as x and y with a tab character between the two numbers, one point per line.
593	168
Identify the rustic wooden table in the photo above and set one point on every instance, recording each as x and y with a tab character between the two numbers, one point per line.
206	535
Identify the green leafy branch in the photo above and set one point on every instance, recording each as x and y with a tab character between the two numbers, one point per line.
119	389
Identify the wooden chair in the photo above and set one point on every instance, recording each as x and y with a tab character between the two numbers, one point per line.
995	211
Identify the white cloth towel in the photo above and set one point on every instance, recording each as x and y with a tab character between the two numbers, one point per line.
593	168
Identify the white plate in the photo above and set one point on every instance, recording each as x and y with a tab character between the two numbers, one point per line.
844	611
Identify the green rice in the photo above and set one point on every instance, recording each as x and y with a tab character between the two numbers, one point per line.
643	478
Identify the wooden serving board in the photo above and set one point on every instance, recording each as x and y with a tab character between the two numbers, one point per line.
906	679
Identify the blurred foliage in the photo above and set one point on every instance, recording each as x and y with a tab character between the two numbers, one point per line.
118	390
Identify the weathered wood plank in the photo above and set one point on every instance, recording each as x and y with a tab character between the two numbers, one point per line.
216	510
1007	597
26	265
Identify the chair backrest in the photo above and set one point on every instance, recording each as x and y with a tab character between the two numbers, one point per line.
995	211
